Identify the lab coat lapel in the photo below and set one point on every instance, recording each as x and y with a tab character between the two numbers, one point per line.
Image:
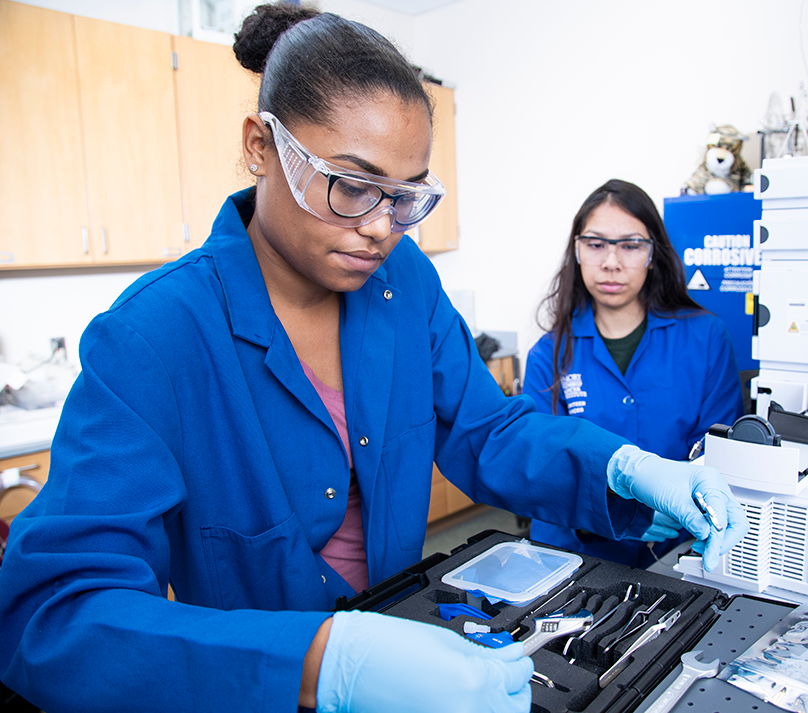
283	362
583	325
367	338
654	322
251	314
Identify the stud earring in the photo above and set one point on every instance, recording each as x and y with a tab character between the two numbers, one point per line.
253	167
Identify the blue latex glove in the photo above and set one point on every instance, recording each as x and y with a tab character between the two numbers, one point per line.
662	528
668	486
376	663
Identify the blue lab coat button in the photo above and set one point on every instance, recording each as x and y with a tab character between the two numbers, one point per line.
331	493
628	400
388	295
363	441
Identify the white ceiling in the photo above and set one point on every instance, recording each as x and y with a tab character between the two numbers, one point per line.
410	7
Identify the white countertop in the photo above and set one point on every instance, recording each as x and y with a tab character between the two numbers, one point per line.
23	432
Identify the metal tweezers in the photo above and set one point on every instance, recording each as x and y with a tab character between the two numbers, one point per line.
665	623
627	631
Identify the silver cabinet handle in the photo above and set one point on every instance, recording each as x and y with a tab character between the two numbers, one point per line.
106	242
85	239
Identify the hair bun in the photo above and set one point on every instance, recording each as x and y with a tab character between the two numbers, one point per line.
261	30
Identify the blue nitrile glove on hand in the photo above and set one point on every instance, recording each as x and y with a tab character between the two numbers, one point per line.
662	528
668	486
374	662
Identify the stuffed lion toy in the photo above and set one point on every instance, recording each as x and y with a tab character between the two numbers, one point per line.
723	169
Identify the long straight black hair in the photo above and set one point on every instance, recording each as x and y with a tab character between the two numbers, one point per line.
664	291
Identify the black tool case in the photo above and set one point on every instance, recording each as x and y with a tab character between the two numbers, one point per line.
721	626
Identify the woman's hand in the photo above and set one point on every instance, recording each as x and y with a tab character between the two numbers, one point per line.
374	662
662	528
669	486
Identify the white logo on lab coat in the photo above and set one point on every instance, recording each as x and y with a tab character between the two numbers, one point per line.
572	386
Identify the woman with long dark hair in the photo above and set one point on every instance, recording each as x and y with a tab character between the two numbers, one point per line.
628	349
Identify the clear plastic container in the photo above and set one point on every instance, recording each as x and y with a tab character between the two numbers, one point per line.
513	572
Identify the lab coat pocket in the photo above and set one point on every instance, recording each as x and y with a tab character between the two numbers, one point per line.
407	467
263	571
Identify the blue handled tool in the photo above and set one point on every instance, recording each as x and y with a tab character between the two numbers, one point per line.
450	611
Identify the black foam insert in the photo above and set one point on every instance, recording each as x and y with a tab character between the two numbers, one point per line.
598	584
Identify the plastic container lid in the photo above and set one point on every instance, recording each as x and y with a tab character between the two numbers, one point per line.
513	572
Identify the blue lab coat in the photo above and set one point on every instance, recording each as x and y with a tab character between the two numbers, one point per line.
682	379
194	450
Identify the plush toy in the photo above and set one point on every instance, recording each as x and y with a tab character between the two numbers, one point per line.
722	170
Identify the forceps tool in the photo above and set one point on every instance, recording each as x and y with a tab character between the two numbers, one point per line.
542	679
665	623
643	614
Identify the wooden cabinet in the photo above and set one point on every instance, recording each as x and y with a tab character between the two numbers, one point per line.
439	232
43	191
126	85
33	465
446	498
214	95
110	156
90	162
504	370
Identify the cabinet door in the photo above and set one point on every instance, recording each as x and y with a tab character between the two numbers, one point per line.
504	372
129	120
43	199
446	498
439	233
214	95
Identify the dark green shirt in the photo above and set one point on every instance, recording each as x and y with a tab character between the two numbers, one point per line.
623	349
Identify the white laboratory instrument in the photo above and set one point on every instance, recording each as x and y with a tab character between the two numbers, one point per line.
764	456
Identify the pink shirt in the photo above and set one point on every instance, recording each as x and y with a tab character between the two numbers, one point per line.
345	551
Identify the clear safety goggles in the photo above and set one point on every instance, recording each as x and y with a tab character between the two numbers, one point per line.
630	252
350	198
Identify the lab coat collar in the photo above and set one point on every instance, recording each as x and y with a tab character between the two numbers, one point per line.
583	325
583	321
248	306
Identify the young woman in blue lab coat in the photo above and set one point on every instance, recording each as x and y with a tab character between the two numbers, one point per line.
255	425
629	350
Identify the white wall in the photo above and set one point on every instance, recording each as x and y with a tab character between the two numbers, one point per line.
161	15
553	98
395	26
